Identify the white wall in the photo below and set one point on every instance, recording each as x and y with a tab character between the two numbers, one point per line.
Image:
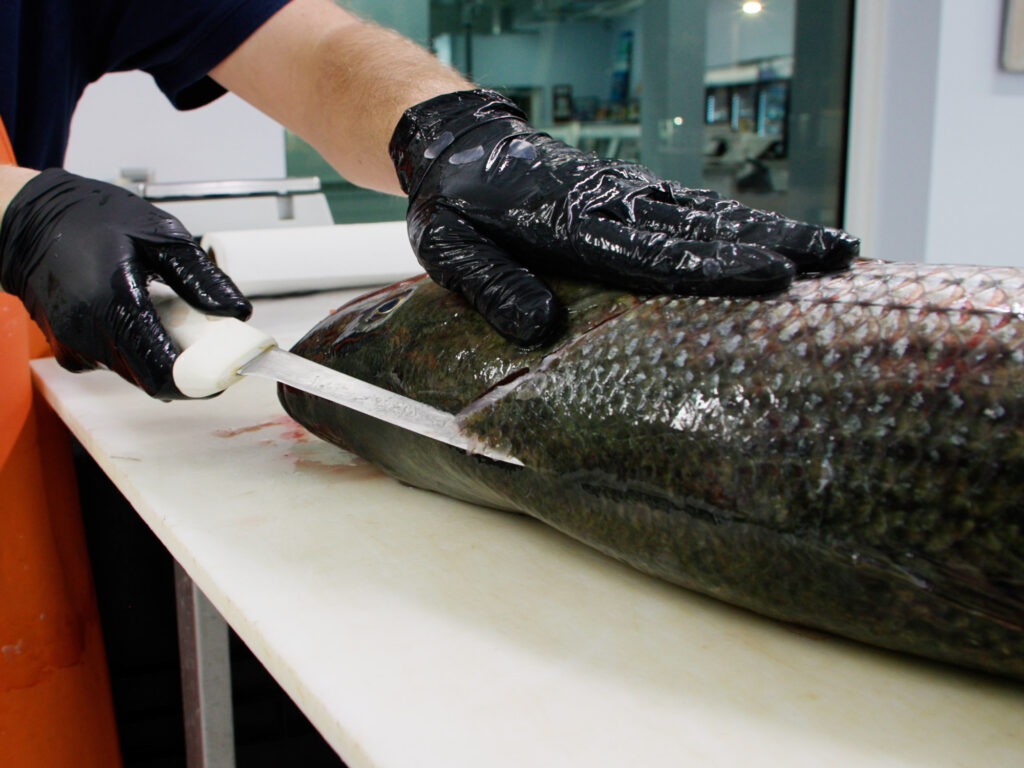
936	166
123	120
977	182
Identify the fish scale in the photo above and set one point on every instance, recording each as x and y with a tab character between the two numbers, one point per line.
847	455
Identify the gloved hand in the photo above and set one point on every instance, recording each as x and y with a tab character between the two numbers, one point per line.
493	202
80	255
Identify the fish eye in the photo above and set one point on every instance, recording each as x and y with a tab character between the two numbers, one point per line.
384	308
387	306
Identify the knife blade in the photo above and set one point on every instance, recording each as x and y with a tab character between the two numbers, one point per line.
218	351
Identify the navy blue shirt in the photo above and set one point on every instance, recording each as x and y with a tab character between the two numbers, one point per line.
50	50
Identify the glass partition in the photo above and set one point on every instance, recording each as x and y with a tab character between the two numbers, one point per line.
747	98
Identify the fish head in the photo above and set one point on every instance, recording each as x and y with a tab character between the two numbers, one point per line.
385	330
369	312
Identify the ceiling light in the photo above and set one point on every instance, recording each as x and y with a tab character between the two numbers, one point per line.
752	7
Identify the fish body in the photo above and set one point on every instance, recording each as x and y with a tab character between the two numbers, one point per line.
847	455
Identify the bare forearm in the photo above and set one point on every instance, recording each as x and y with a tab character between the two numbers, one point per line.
12	179
338	82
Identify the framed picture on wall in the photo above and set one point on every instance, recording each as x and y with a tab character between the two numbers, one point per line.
1013	36
561	103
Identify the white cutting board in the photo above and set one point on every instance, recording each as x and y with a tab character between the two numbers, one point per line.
417	631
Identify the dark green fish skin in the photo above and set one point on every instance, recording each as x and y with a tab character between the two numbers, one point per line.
847	455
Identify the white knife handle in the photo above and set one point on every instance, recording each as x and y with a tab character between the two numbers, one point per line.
212	348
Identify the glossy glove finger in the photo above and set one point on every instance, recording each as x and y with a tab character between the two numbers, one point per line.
138	347
146	354
656	262
194	276
512	299
810	247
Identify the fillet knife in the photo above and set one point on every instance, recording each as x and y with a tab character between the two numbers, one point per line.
218	351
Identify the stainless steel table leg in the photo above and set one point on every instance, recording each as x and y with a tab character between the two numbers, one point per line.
205	677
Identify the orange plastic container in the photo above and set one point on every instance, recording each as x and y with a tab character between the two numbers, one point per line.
55	703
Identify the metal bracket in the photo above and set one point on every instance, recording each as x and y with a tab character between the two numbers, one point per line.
205	677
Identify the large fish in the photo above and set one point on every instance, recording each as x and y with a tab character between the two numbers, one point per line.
848	455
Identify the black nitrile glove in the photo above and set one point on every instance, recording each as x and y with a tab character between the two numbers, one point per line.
493	203
80	255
